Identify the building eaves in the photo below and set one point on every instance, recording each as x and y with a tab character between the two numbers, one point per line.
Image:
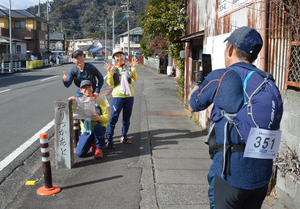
55	36
134	31
19	13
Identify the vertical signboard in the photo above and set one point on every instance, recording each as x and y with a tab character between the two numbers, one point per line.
226	7
63	134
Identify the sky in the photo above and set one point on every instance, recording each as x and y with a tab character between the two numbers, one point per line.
20	4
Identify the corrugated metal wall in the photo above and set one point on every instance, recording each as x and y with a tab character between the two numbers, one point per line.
283	30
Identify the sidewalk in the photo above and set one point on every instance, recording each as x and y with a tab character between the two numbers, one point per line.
179	155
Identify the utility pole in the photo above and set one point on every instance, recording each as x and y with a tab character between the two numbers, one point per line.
113	31
48	36
128	6
105	38
10	38
39	10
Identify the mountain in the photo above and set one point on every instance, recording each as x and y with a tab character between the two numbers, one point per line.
86	19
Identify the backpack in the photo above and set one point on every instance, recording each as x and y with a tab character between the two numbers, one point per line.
117	75
262	108
90	76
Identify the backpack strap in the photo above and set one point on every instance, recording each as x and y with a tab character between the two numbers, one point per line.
76	79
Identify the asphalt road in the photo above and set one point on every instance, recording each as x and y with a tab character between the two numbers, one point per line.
117	173
27	106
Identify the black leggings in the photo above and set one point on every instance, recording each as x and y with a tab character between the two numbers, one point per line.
229	197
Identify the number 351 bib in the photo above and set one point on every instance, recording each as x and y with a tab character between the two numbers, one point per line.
262	143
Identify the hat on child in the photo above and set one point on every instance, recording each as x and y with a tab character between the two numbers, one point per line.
85	83
118	50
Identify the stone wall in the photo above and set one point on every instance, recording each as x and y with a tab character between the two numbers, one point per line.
287	184
152	63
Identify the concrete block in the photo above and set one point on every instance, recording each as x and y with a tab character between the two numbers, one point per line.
287	189
291	99
293	142
285	123
294	122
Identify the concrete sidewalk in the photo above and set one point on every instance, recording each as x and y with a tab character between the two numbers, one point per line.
178	155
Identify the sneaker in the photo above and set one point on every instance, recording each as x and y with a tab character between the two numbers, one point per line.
125	140
110	145
98	154
93	147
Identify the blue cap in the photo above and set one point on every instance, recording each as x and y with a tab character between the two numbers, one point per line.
246	39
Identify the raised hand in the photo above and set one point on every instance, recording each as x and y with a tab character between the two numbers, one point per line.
133	62
108	67
65	77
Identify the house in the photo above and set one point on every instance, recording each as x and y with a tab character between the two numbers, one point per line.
211	22
100	50
25	26
76	44
57	42
18	49
135	36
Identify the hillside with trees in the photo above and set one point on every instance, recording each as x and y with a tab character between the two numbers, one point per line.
84	19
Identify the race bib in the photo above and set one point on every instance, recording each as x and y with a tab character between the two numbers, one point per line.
262	143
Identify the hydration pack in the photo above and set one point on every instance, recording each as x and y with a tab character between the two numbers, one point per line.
90	76
262	107
117	75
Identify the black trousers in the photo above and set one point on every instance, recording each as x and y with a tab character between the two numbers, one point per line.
229	197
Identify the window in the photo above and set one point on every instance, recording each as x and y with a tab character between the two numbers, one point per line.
20	25
38	25
18	49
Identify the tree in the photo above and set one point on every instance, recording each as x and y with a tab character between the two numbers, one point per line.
164	17
159	46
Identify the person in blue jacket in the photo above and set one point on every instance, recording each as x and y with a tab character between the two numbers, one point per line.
83	71
245	184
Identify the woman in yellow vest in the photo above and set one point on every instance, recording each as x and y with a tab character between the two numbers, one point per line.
120	76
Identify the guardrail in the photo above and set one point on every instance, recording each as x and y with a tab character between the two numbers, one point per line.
15	67
31	64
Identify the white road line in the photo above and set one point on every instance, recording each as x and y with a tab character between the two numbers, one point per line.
5	91
49	78
24	146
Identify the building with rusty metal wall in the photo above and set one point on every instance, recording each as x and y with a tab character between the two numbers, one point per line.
278	22
210	22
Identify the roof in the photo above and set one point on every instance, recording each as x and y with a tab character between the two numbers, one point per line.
134	31
87	48
5	39
98	48
55	36
19	13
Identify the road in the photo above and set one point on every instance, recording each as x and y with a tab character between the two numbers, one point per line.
117	172
27	106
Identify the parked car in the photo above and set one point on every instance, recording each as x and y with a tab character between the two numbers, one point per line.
99	57
33	58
